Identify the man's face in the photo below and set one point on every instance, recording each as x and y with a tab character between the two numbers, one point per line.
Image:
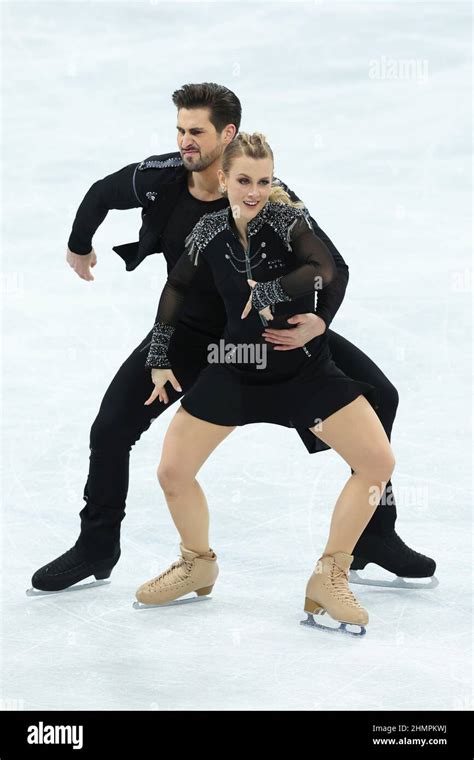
198	142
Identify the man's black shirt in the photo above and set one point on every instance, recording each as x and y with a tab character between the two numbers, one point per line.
203	309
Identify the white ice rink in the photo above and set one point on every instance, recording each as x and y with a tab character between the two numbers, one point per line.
383	162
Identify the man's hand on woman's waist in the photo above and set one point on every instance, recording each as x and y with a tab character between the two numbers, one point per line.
308	327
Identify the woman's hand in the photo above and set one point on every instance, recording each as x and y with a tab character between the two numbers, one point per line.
266	312
160	377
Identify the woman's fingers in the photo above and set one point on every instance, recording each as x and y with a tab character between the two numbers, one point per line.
266	312
174	382
247	308
163	396
154	394
160	377
157	393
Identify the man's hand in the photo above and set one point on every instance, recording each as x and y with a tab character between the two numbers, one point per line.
160	377
309	326
82	265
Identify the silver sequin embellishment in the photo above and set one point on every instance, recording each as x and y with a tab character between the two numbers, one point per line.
160	341
266	293
280	216
159	164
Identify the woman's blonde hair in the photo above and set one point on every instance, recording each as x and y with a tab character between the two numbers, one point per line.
255	146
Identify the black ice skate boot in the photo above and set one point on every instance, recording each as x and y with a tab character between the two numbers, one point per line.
387	550
71	567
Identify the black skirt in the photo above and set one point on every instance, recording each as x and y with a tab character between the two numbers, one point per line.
295	391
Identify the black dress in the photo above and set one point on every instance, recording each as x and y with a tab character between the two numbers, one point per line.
246	380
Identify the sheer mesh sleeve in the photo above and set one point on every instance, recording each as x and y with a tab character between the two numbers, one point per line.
316	269
332	296
174	293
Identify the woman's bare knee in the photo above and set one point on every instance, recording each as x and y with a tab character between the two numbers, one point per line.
377	466
172	478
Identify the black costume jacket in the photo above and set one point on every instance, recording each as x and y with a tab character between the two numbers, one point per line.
284	255
154	185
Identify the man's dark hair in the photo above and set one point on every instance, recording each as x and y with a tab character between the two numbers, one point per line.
223	104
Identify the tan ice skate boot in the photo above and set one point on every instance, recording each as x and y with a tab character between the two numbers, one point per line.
192	572
328	591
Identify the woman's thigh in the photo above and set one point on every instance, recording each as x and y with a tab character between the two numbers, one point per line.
188	442
359	366
357	434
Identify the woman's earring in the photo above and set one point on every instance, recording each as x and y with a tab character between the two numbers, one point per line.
222	189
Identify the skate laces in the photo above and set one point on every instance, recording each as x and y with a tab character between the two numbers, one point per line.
178	571
339	579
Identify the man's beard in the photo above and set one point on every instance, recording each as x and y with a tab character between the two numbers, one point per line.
202	162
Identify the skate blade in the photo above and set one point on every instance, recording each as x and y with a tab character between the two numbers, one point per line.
32	592
396	582
342	628
173	603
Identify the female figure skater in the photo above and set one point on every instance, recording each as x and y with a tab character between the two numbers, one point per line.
264	241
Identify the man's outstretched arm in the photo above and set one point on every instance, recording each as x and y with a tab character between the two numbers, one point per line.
119	190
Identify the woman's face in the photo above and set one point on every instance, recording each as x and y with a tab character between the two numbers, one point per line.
248	184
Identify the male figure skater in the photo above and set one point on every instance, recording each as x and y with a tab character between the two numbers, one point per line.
174	190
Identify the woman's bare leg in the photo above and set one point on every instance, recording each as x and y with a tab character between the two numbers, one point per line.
188	442
356	433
